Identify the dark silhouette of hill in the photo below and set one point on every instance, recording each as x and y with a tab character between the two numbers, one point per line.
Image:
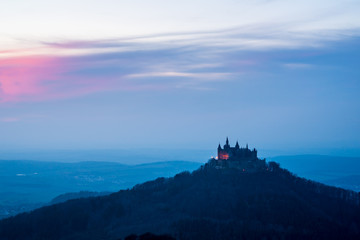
149	236
208	203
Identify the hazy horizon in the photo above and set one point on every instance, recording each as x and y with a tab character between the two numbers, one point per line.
149	155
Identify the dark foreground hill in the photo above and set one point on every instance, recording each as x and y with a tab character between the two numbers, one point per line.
206	204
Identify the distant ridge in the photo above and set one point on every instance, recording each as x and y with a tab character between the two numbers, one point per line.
323	168
76	195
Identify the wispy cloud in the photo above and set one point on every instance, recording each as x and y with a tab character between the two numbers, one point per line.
298	65
63	69
204	76
22	77
9	119
46	77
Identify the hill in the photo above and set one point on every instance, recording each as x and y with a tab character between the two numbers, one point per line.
208	203
76	195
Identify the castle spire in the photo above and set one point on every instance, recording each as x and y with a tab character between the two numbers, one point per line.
227	141
219	147
237	145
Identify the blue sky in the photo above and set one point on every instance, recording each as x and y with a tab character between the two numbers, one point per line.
127	74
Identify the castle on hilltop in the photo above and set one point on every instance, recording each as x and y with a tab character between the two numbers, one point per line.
235	152
237	157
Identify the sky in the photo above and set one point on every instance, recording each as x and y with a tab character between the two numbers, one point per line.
113	74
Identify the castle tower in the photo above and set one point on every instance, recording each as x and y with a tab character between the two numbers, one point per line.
227	145
237	145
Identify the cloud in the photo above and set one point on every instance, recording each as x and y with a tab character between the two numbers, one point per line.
298	65
46	77
43	78
9	119
21	77
204	76
196	60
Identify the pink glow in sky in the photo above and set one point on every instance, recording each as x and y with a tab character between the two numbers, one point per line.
24	77
49	76
39	78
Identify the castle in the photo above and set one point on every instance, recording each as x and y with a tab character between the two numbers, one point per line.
237	157
236	152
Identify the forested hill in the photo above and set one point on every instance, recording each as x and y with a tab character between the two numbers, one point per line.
208	203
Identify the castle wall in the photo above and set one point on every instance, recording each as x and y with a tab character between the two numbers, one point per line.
236	153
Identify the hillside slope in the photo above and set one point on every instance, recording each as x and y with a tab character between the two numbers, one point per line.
206	204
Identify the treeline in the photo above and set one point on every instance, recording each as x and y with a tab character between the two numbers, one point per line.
149	236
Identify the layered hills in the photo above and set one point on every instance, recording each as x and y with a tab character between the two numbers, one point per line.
209	203
26	185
